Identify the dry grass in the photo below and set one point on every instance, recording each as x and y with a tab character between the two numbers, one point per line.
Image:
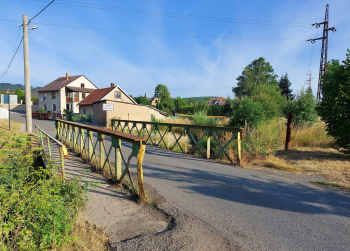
179	120
85	237
15	126
326	162
314	136
311	151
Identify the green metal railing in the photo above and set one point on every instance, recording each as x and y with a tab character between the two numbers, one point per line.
80	138
47	155
196	139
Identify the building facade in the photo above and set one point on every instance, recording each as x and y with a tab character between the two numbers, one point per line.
65	93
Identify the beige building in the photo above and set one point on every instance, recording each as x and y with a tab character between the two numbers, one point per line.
124	106
65	93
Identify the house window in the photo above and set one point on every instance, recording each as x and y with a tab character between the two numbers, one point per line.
67	106
76	94
69	94
53	95
82	85
83	95
84	111
117	95
44	96
53	107
45	107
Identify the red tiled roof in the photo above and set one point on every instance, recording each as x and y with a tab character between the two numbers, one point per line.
221	101
95	96
58	83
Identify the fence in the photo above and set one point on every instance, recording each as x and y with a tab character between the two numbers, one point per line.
81	137
47	156
80	117
193	139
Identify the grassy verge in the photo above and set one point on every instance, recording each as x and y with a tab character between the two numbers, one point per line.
312	151
37	209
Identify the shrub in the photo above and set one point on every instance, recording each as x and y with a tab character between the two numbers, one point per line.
201	118
249	112
335	106
41	110
270	99
303	108
37	209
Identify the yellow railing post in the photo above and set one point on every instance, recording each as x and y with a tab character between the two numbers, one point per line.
208	147
239	158
102	152
90	147
62	162
140	157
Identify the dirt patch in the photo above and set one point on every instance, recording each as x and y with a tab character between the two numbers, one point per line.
186	233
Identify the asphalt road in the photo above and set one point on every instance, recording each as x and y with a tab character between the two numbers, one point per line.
260	211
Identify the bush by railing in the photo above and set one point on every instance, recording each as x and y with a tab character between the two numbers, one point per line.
80	117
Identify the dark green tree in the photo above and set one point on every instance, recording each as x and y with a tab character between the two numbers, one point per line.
256	73
19	94
166	102
247	111
303	108
271	100
335	106
284	84
179	103
142	100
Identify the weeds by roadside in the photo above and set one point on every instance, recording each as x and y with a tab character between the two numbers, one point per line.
37	209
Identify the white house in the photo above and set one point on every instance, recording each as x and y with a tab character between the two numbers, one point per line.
65	93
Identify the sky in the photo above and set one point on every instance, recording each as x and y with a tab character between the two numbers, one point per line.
194	47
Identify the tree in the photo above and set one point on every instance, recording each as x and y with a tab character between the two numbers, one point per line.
256	73
247	111
284	85
202	106
303	108
162	92
166	102
142	100
335	106
179	103
269	97
19	94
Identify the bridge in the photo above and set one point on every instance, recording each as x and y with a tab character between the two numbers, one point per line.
257	210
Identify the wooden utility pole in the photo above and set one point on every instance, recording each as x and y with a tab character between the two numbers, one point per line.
289	130
28	98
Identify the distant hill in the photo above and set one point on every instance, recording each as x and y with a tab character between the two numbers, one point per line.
199	98
14	87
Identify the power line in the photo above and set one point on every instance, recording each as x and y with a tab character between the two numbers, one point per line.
40	11
176	15
12	59
186	89
13	51
158	34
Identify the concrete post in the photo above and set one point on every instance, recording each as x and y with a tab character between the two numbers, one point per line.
27	75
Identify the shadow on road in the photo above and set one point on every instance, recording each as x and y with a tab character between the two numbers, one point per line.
270	193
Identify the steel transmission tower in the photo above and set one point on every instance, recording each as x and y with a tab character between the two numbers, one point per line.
323	61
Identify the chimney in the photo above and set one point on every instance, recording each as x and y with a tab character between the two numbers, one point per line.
67	76
112	84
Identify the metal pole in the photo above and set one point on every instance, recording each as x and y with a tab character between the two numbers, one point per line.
27	75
